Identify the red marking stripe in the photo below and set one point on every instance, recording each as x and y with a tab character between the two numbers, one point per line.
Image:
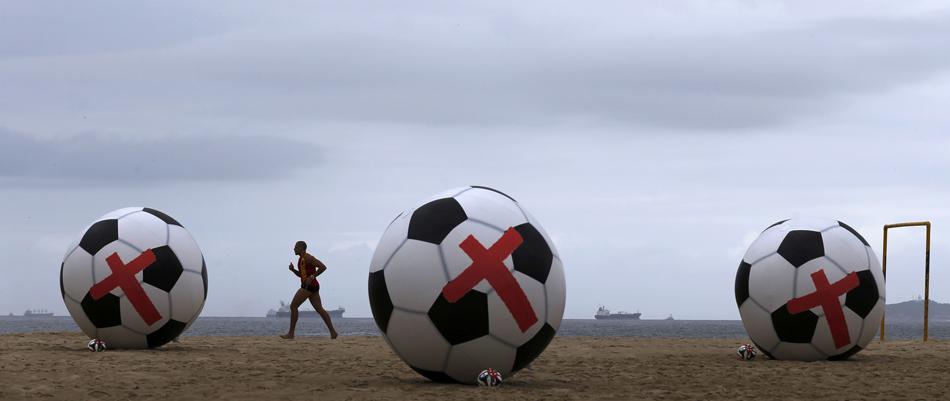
488	264
123	276
826	295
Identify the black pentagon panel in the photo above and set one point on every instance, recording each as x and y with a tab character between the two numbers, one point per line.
165	271
801	246
798	328
162	216
762	350
845	355
862	299
465	320
379	301
169	331
433	221
495	191
99	235
855	232
439	377
62	289
533	257
104	312
774	224
531	349
742	283
204	277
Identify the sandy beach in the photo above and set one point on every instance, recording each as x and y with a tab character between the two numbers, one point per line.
57	366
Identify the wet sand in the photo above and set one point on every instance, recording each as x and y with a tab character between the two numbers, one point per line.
57	366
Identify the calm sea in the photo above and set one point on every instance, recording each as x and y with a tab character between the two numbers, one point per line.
262	326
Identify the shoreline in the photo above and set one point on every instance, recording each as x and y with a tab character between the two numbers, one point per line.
57	366
348	327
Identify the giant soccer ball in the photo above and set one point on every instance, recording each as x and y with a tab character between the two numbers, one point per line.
810	289
135	278
466	281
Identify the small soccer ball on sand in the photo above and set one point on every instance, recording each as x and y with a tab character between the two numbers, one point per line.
489	378
746	352
96	345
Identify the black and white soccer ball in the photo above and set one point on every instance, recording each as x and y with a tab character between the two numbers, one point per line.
167	295
96	345
421	252
784	314
489	378
746	352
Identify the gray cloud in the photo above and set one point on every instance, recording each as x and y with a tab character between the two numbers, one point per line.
711	81
86	28
109	158
493	67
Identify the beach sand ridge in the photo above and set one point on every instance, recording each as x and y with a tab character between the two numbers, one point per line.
57	366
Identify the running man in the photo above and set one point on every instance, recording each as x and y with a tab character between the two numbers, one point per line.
308	268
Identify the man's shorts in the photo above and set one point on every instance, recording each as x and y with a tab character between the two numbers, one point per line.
310	286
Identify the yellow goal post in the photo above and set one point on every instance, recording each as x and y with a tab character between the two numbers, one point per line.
926	270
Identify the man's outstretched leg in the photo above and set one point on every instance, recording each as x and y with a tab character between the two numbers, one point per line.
299	297
318	306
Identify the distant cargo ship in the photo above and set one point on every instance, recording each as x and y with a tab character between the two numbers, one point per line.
37	313
604	314
284	311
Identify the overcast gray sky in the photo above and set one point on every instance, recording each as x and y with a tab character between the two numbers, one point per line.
653	140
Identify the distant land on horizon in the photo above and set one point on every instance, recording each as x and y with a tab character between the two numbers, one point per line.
913	310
